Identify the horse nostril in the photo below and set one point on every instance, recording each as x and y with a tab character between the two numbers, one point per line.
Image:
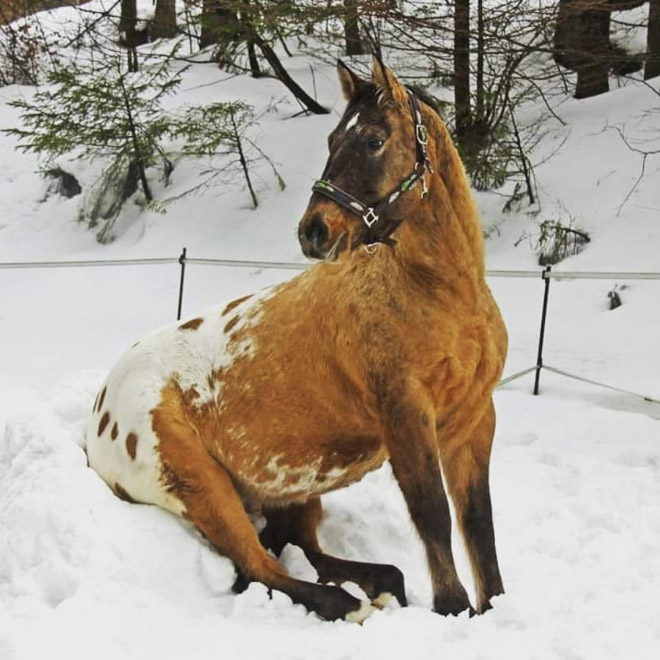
316	232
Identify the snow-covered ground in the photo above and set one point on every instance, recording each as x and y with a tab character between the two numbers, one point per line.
575	487
575	471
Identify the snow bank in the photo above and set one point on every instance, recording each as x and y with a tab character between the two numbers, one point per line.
575	490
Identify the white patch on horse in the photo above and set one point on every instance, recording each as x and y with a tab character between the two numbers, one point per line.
209	349
333	475
359	615
352	121
131	398
289	479
382	600
191	358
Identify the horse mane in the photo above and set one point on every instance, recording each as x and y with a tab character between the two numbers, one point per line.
428	98
449	166
371	91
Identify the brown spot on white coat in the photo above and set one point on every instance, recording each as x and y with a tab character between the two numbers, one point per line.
105	420
230	324
193	324
101	399
122	494
131	445
234	304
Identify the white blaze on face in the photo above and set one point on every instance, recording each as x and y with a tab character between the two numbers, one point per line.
352	121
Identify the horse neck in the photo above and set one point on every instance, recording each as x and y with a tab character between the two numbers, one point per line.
442	233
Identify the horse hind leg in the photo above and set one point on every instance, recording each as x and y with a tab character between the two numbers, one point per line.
466	472
297	524
213	505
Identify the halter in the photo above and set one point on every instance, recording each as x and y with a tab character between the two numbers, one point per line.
371	215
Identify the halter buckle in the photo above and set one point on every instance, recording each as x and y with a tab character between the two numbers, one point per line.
370	217
422	135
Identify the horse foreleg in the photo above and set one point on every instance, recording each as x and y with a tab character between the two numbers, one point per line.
411	442
213	505
297	524
466	471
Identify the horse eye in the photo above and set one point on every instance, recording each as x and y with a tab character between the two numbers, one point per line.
374	142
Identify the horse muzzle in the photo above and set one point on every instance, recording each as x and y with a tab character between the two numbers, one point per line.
317	241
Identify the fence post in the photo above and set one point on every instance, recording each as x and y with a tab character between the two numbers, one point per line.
539	358
182	261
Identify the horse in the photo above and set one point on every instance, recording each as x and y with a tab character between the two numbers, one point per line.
387	348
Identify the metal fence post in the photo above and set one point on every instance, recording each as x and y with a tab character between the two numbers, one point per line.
182	261
539	358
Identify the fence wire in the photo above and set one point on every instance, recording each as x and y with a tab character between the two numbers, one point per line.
546	274
287	265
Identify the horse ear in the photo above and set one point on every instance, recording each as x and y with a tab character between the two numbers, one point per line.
350	83
385	79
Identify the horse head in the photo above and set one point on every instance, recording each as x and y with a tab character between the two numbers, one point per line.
378	152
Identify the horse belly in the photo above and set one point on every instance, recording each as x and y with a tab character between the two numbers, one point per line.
298	469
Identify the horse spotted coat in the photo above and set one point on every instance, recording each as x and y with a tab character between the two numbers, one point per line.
270	401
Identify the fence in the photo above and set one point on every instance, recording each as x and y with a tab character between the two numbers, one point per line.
547	275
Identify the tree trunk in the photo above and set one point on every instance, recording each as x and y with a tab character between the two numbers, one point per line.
128	17
652	66
279	70
255	70
352	29
219	26
127	28
480	104
248	31
582	44
592	76
462	66
164	25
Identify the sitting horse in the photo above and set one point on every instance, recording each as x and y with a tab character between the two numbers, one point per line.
387	349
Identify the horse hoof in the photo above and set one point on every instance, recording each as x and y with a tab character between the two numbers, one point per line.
359	615
453	604
388	582
241	583
482	609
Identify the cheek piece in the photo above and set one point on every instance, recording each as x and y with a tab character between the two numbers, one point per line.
379	231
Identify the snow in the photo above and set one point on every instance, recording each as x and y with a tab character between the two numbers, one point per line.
575	487
575	472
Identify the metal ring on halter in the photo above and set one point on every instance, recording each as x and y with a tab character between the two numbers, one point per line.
425	188
370	217
422	135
